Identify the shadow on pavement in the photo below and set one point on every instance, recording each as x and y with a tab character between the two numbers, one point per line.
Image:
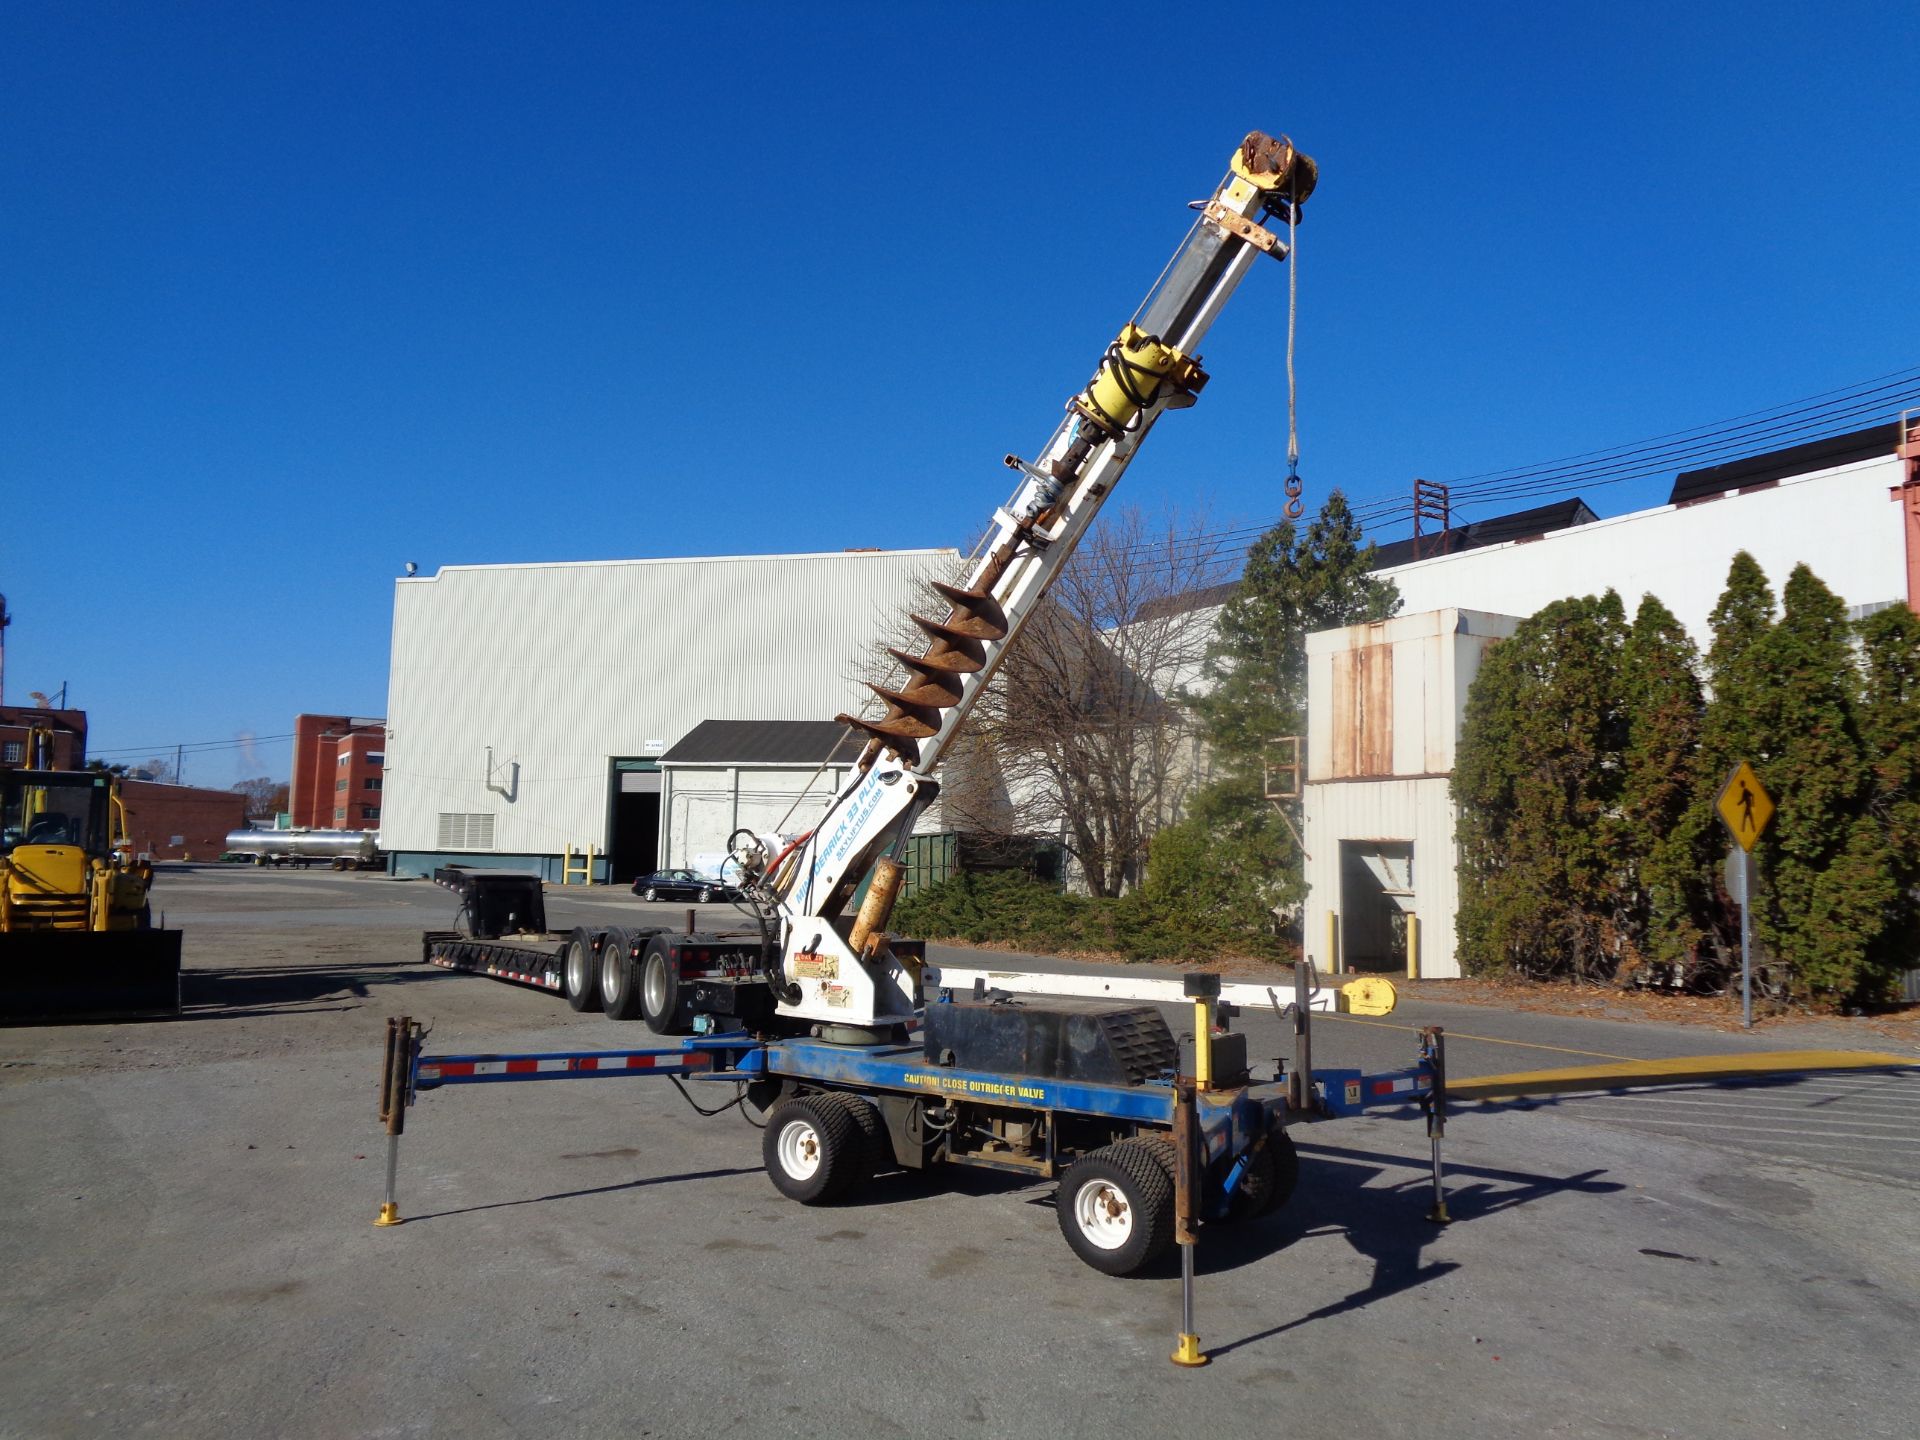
291	989
594	1190
1388	1224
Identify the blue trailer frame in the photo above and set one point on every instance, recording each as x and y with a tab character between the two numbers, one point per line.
1228	1119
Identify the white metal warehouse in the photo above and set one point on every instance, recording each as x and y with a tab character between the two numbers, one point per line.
528	705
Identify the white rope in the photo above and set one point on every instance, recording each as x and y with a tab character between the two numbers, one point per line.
1294	485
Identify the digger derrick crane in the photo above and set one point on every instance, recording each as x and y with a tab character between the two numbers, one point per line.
843	975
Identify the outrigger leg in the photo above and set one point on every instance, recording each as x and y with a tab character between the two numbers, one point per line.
1433	1050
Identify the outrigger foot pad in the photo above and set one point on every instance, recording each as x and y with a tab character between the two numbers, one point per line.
389	1215
1189	1352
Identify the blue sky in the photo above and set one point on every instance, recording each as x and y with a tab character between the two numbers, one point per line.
292	295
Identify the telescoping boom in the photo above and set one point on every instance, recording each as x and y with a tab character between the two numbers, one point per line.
842	972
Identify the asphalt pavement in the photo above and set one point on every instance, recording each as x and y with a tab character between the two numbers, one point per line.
190	1247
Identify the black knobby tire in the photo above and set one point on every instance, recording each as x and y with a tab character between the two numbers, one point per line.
813	1149
1160	1145
619	980
1115	1207
874	1140
659	985
579	976
1269	1181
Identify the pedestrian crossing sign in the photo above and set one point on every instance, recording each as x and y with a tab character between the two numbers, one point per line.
1744	806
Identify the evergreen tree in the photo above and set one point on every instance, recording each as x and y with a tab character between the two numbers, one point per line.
1232	858
1730	731
1825	874
1219	877
1667	848
1538	782
1294	583
1889	719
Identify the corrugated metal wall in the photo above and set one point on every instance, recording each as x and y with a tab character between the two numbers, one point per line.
1417	811
702	805
1384	704
1837	521
560	667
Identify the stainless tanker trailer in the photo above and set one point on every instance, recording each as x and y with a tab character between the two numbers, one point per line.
341	849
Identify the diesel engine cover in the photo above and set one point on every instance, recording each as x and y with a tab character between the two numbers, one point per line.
1104	1041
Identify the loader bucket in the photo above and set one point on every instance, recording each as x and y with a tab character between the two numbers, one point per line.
84	974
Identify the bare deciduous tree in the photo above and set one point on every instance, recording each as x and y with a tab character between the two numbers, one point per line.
265	797
1080	734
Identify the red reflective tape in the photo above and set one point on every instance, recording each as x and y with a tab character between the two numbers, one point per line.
456	1067
522	1067
1383	1087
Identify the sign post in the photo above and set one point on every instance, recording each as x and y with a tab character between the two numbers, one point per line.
1745	808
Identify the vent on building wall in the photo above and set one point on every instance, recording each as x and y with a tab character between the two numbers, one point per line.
465	832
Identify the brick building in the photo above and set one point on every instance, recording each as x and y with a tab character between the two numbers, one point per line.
339	766
69	735
180	822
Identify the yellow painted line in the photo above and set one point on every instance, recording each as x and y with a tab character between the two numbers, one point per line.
1677	1070
1453	1035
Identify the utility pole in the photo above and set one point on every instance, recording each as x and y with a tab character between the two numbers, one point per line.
179	753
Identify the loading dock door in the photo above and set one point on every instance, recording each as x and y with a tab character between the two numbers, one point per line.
633	826
1376	896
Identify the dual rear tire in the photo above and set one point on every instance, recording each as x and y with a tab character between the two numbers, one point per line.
1115	1206
817	1148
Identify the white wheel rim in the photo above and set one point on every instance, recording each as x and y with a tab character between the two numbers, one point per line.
576	969
799	1149
610	969
1103	1214
656	983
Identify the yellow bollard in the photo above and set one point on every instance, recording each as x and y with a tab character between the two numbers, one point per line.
1413	947
1333	942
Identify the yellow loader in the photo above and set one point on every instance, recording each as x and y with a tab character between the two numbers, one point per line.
76	930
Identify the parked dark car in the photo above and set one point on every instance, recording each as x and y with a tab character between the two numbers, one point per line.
682	885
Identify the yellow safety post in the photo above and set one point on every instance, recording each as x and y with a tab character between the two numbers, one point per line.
1333	942
1413	947
568	869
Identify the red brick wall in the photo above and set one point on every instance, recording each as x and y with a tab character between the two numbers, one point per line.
201	818
318	800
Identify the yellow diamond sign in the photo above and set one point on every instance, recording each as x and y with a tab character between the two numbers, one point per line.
1744	805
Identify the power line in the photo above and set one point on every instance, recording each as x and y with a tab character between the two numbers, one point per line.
192	747
1715	443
